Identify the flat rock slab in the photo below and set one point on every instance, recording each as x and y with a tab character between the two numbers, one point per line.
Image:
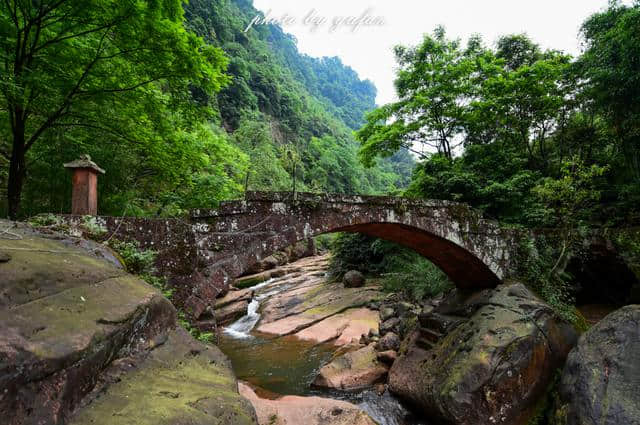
352	371
41	267
342	328
180	382
295	410
231	312
233	297
310	303
601	379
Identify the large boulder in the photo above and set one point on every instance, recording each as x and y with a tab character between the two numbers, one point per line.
66	317
352	371
482	358
388	342
601	380
353	279
182	381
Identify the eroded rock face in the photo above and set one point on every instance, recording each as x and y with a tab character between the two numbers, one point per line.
352	371
484	358
290	410
601	381
66	316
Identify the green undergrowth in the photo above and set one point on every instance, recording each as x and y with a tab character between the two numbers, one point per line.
141	262
88	226
399	269
539	266
627	243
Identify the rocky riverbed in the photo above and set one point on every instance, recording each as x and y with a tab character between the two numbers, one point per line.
300	344
466	357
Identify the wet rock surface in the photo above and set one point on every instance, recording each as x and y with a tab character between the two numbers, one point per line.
290	410
483	357
601	379
66	316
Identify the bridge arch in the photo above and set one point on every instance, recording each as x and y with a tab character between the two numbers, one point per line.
473	252
204	254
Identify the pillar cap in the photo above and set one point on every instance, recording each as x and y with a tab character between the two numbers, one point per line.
84	162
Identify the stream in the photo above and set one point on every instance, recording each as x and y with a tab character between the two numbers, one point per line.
277	366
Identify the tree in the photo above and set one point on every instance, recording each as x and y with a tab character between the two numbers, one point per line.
522	106
610	67
434	84
88	64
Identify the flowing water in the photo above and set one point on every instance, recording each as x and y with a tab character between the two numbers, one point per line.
287	365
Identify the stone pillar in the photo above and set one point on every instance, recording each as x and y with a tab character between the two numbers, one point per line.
84	199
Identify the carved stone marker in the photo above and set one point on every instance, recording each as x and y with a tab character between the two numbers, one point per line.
84	199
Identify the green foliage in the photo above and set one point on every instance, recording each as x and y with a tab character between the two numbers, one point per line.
433	85
325	241
401	269
535	129
206	337
611	71
137	261
92	227
104	70
414	276
44	220
627	242
173	130
569	195
538	266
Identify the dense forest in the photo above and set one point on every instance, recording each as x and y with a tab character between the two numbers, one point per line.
178	104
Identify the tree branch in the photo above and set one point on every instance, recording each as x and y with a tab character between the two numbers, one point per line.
67	101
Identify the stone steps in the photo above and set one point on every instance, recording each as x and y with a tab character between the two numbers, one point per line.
439	322
430	335
433	327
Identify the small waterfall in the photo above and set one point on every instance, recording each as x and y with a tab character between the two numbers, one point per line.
240	328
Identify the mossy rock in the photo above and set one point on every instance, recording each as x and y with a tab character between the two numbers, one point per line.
599	383
493	367
70	318
180	382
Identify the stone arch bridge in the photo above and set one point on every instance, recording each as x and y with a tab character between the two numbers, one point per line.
203	254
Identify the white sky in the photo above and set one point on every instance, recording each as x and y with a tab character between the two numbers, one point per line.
368	50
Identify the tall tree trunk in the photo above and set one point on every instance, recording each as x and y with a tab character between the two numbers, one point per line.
17	170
